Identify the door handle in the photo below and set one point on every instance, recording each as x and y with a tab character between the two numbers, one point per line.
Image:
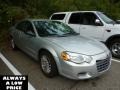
108	30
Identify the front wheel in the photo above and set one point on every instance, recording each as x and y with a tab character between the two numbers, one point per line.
115	48
47	64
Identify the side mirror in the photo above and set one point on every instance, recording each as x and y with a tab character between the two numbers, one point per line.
30	33
98	22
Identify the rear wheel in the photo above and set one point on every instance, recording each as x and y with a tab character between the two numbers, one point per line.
48	64
115	48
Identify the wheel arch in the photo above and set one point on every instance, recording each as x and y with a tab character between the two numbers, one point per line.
108	41
51	51
54	54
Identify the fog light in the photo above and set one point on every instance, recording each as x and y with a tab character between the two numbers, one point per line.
82	74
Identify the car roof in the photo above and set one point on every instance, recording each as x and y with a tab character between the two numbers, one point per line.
73	11
37	19
32	20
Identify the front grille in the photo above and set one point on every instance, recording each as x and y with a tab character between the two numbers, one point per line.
102	64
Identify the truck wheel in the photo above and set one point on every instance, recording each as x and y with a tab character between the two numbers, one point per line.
115	48
13	45
48	64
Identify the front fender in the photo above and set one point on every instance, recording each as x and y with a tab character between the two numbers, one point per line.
54	54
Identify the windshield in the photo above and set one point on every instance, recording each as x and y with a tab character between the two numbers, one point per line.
106	18
53	28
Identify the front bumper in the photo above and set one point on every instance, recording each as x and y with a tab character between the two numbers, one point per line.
99	65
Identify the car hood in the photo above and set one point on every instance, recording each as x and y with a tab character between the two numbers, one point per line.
113	26
117	26
79	44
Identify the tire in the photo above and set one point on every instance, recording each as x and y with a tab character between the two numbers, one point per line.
48	64
13	45
115	48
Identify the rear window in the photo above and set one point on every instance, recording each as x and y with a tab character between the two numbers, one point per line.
58	17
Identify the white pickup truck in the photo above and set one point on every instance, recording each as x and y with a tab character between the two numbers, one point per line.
93	24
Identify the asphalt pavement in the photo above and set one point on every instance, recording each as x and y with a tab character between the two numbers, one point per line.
28	66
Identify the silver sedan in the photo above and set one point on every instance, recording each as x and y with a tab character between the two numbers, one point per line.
60	49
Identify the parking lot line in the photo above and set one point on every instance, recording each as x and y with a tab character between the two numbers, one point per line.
116	60
14	70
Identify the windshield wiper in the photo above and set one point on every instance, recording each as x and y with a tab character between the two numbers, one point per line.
54	35
57	35
112	22
46	35
74	33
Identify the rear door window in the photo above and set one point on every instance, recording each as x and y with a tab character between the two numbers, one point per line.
58	17
76	18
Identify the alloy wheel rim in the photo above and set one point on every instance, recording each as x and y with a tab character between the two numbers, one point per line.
116	49
12	43
46	66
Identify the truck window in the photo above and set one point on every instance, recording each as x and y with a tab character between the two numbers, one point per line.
105	18
76	18
89	19
58	17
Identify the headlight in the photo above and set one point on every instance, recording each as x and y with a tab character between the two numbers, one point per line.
76	58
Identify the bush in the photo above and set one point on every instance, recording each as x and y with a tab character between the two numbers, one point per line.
9	16
12	14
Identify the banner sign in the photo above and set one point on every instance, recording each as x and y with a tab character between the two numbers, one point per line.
13	82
